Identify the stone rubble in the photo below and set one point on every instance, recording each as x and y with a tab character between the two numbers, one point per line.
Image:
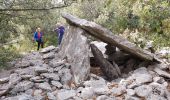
53	81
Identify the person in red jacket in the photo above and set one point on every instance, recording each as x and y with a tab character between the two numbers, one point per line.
38	38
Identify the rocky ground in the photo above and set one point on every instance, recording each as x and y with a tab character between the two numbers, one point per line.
38	77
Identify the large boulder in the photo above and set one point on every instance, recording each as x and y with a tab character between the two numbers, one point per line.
75	49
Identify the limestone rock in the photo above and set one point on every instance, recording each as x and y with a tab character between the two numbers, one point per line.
143	91
50	55
52	76
44	86
141	75
57	84
104	97
159	80
14	78
41	69
118	91
47	49
55	64
37	79
22	86
4	80
26	77
66	94
51	96
130	92
24	64
87	93
75	49
162	73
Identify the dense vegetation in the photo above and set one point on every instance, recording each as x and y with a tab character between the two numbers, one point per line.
147	19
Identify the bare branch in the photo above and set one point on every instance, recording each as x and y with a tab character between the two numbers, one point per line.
33	9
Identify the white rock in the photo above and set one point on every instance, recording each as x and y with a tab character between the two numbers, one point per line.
130	92
55	64
158	80
4	80
57	84
104	97
87	93
25	97
44	86
47	49
155	97
50	55
26	77
51	96
14	78
41	69
118	91
65	95
22	86
37	79
141	76
143	91
52	76
37	92
128	97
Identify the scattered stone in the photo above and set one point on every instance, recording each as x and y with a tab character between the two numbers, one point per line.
104	97
37	79
25	64
55	64
52	76
4	80
44	86
47	49
66	94
118	91
51	96
87	93
128	97
58	68
14	78
22	86
26	77
158	80
26	71
130	92
143	91
37	92
162	73
141	76
41	69
50	55
29	91
57	84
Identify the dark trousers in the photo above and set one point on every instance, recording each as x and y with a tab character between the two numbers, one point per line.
60	37
40	42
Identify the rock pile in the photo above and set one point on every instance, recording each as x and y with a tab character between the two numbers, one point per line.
64	73
39	78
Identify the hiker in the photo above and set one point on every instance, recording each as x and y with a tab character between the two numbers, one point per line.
60	32
38	38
